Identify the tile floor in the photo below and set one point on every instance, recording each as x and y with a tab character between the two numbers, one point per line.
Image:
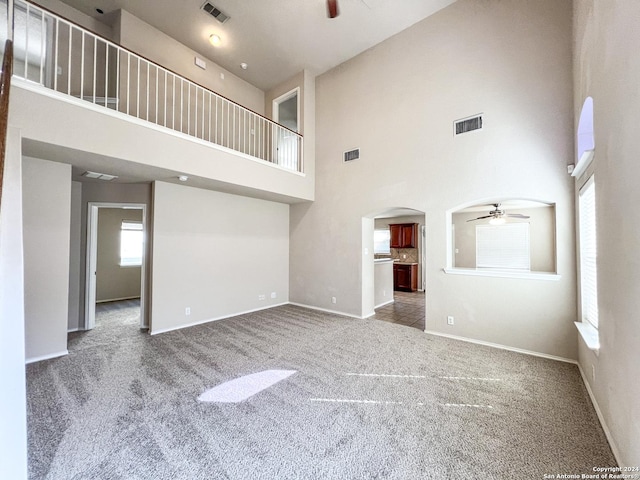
407	309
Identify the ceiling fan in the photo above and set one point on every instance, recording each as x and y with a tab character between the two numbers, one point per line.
332	8
498	216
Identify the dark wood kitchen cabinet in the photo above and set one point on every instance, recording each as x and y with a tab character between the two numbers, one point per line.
404	235
405	277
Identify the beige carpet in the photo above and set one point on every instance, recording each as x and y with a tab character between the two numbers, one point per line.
370	400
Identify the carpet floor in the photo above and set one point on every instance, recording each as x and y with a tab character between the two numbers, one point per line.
370	400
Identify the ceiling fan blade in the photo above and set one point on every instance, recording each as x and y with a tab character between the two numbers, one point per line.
517	215
480	218
332	8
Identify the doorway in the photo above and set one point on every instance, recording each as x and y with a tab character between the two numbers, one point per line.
116	257
286	112
385	263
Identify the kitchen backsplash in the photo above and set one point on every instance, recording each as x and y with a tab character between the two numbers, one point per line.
399	254
407	255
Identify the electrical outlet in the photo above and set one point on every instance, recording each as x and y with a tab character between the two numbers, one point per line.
273	295
449	320
261	297
187	311
334	300
384	293
593	373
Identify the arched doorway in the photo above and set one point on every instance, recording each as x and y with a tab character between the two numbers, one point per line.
394	266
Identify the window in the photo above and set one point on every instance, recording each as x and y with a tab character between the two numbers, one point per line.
382	241
131	241
588	253
503	246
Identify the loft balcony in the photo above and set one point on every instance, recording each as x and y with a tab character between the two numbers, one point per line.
60	60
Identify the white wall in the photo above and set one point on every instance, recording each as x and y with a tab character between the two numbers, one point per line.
607	68
46	197
383	283
13	421
216	254
510	60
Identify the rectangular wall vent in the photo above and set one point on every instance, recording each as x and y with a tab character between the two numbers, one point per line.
215	12
468	125
351	155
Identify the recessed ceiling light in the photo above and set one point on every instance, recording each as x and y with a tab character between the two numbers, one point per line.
215	40
244	66
183	178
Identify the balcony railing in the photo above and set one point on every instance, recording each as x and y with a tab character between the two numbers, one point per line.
59	55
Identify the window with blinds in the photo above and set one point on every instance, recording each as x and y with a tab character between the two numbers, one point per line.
588	253
131	242
505	247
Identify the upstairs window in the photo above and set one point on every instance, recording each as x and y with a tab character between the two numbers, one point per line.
131	241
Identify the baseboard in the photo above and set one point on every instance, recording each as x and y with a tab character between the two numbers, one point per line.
200	322
335	312
47	357
385	303
137	297
503	347
603	424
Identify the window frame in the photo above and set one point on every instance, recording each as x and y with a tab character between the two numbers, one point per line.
375	242
131	261
588	260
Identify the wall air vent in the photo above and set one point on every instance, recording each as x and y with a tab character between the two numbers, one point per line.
351	155
467	125
215	12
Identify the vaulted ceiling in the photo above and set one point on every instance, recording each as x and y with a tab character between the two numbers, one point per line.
275	38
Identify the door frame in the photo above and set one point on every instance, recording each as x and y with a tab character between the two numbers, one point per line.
367	254
275	112
92	260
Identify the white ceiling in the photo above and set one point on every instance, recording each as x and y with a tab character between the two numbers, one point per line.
276	38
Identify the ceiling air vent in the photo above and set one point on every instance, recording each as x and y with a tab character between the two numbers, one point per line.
467	125
215	13
351	155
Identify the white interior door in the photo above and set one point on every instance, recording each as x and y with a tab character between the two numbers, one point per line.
286	112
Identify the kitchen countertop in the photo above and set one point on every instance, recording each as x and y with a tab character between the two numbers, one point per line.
383	260
391	260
